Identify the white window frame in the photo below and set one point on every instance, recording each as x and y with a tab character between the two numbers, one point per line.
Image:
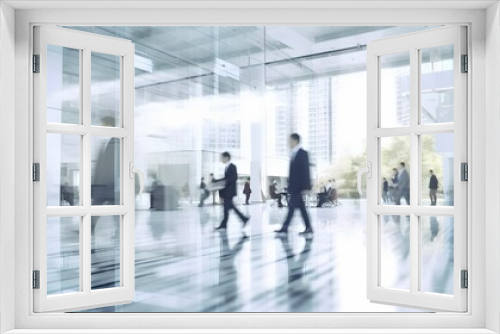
413	44
86	44
483	309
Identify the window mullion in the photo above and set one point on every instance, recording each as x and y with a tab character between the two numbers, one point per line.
87	167
414	170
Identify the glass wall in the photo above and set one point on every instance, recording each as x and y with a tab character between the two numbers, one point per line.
200	91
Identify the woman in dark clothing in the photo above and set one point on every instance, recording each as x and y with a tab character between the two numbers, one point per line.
247	191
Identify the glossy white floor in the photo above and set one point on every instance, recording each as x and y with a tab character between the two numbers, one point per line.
182	265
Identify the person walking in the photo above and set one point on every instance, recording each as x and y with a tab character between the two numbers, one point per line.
299	183
247	191
403	188
229	191
433	186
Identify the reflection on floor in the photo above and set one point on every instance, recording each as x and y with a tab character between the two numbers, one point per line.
182	265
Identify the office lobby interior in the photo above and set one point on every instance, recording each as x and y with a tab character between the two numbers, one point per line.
203	90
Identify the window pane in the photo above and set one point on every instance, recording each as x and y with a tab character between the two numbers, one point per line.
437	169
105	255
395	170
63	169
437	254
63	85
395	90
105	171
63	255
395	252
436	84
105	90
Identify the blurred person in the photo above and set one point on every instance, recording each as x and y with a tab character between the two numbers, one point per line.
433	186
403	185
106	174
274	194
67	195
229	191
105	190
153	196
299	183
394	181
204	193
385	189
247	191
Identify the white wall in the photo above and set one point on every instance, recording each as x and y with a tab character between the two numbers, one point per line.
492	165
328	17
7	166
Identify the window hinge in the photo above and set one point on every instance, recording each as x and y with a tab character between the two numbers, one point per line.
465	64
36	279
36	63
464	171
465	279
36	172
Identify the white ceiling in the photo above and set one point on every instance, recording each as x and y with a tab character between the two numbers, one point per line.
184	57
250	4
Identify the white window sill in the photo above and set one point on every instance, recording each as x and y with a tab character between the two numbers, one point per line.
252	331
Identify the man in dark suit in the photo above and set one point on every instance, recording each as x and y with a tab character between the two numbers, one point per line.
433	187
299	183
229	190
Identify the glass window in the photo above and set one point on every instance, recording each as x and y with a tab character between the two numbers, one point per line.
395	252
63	169
395	90
436	255
437	169
63	85
436	85
395	170
105	252
106	154
105	89
63	255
